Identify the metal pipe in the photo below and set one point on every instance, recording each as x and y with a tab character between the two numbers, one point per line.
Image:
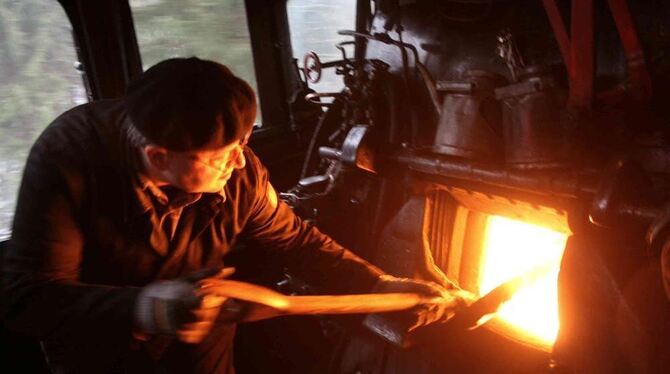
560	183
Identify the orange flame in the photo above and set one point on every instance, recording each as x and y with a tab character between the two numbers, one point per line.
512	248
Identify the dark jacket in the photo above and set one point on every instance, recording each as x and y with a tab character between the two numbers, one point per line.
85	239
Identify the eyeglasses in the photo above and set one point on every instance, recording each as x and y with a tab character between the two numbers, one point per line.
222	166
233	156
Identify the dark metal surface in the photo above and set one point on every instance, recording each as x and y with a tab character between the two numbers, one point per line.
452	38
470	121
616	199
570	184
537	130
619	195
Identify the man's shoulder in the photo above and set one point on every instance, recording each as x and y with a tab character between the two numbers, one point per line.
81	127
90	114
80	149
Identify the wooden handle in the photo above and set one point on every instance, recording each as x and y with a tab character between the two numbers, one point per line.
346	304
267	303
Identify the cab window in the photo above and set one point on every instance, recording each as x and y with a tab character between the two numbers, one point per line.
39	81
314	25
209	29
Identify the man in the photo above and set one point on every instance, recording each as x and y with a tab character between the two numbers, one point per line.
125	205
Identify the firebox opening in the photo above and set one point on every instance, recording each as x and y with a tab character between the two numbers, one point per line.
482	241
513	248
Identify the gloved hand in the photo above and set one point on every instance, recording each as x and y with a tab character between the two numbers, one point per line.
178	307
442	303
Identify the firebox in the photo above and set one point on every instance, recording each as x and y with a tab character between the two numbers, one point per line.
512	248
482	241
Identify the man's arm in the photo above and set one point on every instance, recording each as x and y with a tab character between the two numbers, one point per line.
312	255
42	292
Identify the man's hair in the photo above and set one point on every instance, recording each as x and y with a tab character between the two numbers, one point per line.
187	104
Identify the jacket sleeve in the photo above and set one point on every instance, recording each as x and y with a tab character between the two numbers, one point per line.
665	267
43	295
310	254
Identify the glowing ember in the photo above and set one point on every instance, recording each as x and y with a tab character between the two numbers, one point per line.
512	248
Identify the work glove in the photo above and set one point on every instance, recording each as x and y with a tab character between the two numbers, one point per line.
179	307
440	305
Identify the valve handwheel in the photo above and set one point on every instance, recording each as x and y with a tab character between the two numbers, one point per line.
312	67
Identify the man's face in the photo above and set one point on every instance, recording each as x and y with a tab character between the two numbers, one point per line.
205	171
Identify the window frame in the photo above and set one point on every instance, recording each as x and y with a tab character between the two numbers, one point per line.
110	56
107	48
104	38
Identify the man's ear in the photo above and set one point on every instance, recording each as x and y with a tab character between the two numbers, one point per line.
157	156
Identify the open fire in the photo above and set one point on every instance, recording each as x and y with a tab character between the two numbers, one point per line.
512	248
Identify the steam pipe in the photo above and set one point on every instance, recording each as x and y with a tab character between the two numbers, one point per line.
581	184
560	183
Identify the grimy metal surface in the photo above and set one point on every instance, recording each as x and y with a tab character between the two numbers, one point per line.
551	151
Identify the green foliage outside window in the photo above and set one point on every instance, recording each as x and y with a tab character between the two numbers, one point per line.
210	29
37	82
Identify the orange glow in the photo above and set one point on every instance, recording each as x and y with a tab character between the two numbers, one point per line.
513	248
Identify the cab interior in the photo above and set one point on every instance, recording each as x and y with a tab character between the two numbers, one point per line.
483	142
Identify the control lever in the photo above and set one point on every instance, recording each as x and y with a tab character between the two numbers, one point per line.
330	153
355	150
314	184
